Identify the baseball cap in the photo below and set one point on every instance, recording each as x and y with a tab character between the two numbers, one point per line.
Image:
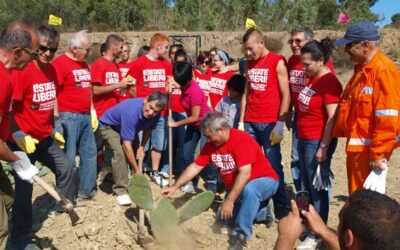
360	31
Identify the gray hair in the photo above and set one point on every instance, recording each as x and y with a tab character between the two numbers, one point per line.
49	33
160	97
75	41
214	121
12	38
308	33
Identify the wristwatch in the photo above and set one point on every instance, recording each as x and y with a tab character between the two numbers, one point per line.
323	145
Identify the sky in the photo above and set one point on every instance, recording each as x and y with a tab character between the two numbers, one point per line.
388	8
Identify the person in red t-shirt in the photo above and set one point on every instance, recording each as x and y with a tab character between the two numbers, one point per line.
108	86
202	75
76	112
246	172
34	98
299	36
265	102
126	62
317	103
18	43
219	77
150	73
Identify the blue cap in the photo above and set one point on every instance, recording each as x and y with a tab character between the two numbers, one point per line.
360	31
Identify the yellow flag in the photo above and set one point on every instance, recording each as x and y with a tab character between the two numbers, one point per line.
250	23
54	20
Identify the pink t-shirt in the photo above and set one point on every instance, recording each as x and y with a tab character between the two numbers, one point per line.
194	96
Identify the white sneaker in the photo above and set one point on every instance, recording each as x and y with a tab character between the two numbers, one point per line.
188	188
310	243
124	200
157	178
165	175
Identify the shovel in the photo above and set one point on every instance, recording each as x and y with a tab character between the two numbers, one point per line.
54	192
141	228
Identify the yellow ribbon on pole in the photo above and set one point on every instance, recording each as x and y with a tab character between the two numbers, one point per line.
250	23
55	20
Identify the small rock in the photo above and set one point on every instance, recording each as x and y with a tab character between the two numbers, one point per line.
79	232
92	229
123	239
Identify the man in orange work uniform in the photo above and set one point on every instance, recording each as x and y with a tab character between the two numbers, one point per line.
368	111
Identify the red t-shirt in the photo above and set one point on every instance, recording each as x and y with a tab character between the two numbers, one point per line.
240	150
150	76
203	80
105	73
6	90
298	78
312	115
34	98
73	90
176	104
125	67
264	100
218	88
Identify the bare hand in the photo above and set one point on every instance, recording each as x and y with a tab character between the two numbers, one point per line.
314	221
290	226
378	164
172	124
168	191
320	156
227	209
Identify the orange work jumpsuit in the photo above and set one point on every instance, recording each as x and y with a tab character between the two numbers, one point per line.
368	117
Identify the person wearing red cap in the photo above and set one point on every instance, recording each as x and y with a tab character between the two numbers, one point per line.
368	113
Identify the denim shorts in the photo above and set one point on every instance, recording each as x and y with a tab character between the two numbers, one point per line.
158	140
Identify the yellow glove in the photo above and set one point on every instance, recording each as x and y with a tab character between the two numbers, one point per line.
94	120
59	138
276	135
25	142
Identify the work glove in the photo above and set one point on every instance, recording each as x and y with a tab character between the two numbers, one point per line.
276	135
25	142
241	126
323	178
94	120
376	180
24	169
57	133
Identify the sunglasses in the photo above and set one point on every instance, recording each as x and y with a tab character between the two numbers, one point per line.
45	49
297	41
30	51
206	62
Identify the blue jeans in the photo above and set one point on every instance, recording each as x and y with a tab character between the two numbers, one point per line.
295	164
178	138
251	205
48	153
79	138
260	132
308	166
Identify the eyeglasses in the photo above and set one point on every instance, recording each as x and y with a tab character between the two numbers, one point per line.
87	50
45	49
296	40
30	51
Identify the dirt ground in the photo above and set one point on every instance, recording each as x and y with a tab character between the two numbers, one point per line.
105	225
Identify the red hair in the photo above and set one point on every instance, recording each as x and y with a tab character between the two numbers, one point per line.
158	38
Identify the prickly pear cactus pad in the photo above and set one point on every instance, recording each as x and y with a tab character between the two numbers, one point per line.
196	205
164	223
140	192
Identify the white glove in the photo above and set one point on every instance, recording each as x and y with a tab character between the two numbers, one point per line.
323	178
24	169
376	180
276	135
317	182
241	126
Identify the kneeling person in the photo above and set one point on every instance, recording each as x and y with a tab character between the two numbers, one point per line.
247	175
121	123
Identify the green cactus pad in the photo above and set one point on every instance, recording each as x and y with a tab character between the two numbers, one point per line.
196	205
140	192
164	222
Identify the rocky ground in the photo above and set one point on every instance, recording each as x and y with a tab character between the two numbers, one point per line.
105	225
